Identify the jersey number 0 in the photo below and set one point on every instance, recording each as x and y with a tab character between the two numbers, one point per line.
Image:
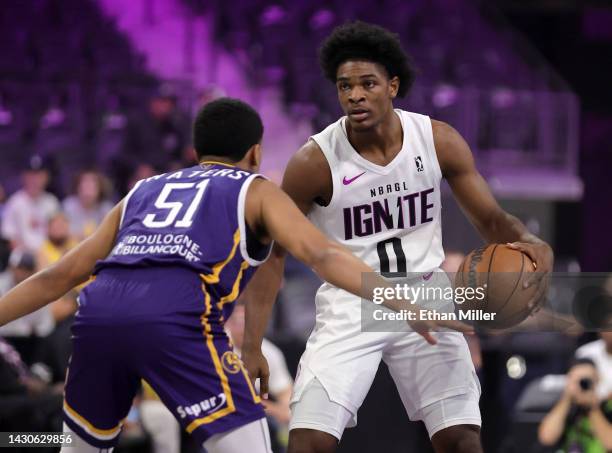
385	266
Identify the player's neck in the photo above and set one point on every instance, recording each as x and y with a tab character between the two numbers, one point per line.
243	164
384	138
211	160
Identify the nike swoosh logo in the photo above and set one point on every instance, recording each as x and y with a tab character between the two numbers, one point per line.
346	182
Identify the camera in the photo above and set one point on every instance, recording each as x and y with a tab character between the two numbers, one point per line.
586	384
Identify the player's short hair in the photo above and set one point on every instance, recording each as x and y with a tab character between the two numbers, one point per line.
362	41
227	128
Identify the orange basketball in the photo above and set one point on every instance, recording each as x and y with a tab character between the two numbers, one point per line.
496	273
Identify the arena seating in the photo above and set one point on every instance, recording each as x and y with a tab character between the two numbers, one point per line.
62	61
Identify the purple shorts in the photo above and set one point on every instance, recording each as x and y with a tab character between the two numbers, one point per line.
161	326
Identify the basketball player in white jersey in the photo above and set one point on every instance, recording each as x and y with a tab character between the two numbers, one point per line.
371	181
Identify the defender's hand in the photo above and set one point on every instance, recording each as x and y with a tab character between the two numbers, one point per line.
256	366
425	327
542	256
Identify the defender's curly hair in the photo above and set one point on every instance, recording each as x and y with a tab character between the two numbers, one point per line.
362	41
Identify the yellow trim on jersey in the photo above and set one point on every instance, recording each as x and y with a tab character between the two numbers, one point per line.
147	391
254	394
214	162
217	268
88	426
233	295
218	367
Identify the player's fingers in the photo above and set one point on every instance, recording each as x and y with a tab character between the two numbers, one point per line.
527	249
424	328
456	325
429	338
515	246
263	385
537	299
536	278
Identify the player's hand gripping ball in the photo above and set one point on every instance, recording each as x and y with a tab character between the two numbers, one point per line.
511	283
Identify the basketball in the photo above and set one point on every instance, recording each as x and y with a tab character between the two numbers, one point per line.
499	272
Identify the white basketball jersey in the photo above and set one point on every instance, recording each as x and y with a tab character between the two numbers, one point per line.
390	218
387	216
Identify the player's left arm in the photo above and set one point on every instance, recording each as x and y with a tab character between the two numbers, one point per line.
70	271
476	200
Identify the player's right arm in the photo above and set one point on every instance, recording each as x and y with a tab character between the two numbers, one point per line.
70	271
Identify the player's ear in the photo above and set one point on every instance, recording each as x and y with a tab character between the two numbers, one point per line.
254	156
394	84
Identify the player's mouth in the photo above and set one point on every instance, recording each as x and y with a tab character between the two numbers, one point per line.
359	114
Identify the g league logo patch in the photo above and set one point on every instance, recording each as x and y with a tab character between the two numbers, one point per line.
419	163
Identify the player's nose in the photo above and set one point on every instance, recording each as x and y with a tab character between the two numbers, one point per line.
356	95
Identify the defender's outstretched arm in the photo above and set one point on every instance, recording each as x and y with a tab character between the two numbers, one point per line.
70	271
284	222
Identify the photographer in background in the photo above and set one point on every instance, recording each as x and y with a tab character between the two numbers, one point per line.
580	422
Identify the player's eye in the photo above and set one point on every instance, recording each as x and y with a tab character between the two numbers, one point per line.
369	84
343	86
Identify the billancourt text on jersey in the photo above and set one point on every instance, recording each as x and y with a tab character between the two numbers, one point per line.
159	244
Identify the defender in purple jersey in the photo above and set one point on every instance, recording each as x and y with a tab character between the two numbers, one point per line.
182	255
167	263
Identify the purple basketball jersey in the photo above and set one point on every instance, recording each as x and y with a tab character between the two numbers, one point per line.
157	307
191	218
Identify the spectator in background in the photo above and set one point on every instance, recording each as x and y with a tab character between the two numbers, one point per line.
59	241
161	136
142	171
25	217
22	332
27	403
600	352
88	205
580	422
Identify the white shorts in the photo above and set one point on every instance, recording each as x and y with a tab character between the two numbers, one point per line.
437	384
255	434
